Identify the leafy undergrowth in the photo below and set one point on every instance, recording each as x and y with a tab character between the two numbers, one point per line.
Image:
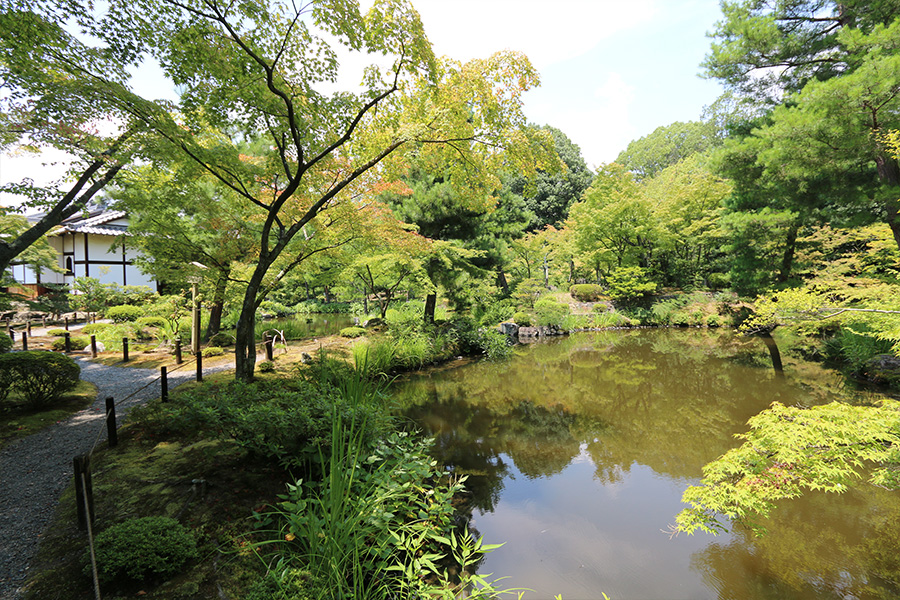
211	486
18	421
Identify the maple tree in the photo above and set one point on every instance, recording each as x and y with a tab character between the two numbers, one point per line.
261	70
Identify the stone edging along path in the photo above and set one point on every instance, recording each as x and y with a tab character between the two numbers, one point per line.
35	470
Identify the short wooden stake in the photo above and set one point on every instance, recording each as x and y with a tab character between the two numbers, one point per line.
28	327
12	334
163	385
84	490
112	434
269	343
68	345
93	346
43	321
199	366
67	323
124	349
178	351
24	341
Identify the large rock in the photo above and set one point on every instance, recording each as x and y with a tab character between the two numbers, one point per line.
510	329
541	331
883	368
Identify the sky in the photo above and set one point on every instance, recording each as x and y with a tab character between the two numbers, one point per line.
611	71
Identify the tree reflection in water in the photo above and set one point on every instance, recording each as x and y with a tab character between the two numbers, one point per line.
668	401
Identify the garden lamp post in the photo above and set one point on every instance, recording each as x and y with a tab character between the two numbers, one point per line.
195	311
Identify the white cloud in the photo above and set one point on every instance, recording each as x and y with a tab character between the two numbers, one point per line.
547	32
601	123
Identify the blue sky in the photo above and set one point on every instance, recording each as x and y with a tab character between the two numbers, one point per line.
612	71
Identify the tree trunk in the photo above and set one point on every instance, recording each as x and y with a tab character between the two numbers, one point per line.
501	281
218	305
430	303
787	260
245	336
546	273
571	270
889	173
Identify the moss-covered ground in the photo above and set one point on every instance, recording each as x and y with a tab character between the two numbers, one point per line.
211	486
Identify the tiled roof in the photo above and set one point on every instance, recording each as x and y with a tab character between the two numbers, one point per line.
96	223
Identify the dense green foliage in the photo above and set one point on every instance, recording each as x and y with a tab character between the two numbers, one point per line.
289	423
38	377
143	548
76	342
124	313
587	292
789	450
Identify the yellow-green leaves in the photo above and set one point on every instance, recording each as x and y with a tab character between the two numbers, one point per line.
789	450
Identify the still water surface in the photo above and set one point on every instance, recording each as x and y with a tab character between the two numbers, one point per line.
578	451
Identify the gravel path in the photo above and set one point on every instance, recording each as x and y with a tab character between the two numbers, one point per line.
35	470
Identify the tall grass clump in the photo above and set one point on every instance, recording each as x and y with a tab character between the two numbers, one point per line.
380	524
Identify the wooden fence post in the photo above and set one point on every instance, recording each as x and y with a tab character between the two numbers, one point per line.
112	434
199	366
93	346
269	343
67	323
163	385
84	490
24	341
68	345
28	326
178	351
124	349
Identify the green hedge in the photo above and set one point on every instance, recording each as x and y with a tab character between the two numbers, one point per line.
38	376
353	332
76	342
522	319
151	322
94	328
125	313
6	343
587	292
141	548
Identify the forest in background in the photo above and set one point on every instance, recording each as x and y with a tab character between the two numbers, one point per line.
430	184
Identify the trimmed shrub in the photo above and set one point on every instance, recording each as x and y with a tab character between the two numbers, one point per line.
76	342
59	331
150	322
587	292
629	283
266	366
212	351
39	376
522	319
145	547
125	313
94	328
550	312
353	332
6	343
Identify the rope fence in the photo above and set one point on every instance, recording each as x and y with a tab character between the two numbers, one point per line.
84	493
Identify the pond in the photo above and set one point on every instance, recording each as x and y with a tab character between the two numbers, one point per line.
306	326
578	450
